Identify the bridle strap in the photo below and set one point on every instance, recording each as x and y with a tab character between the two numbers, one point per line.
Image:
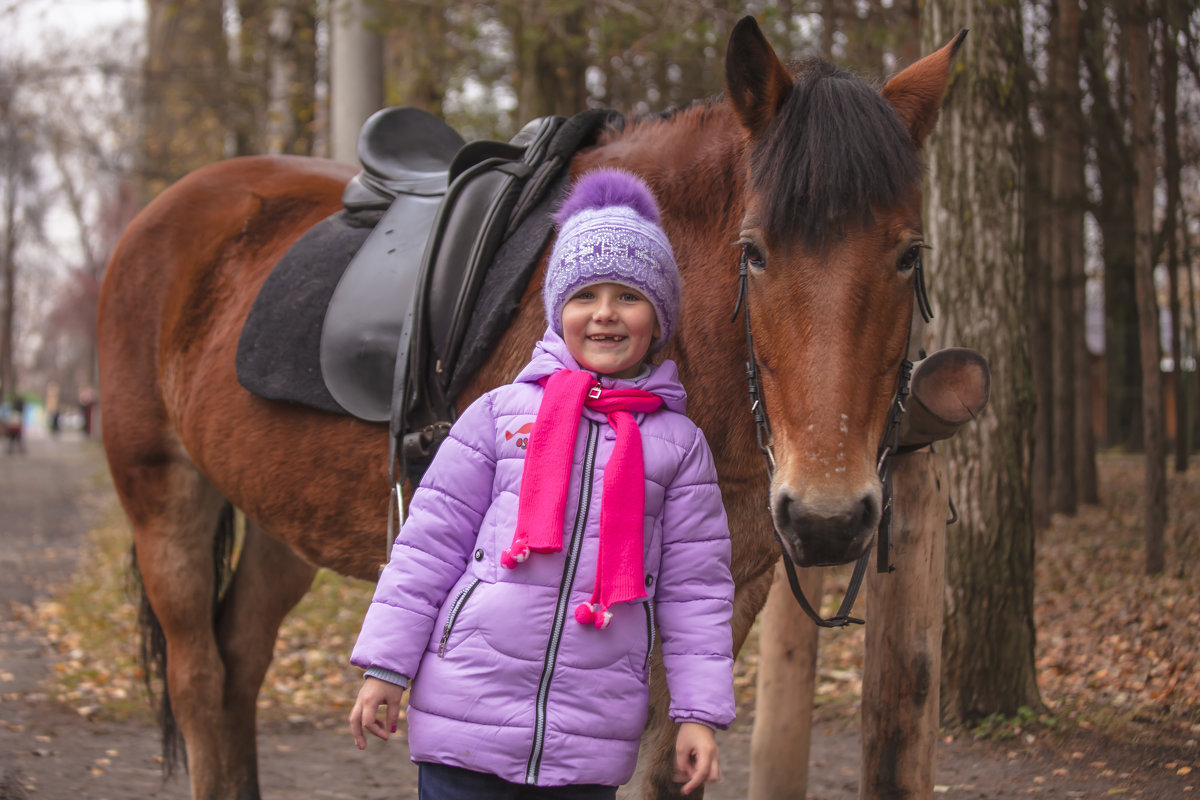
889	447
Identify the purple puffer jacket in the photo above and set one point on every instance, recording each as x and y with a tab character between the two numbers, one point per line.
506	680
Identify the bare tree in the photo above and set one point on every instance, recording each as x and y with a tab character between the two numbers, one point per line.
1137	38
1172	167
1102	56
185	93
21	211
975	207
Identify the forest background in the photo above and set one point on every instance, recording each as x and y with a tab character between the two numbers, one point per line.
1062	202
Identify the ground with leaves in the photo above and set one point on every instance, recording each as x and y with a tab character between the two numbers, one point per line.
1116	660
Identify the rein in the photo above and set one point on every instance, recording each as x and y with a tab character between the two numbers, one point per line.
889	446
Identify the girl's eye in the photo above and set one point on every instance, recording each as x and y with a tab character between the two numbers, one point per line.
631	297
584	295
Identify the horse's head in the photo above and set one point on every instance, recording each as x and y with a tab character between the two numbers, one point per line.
831	237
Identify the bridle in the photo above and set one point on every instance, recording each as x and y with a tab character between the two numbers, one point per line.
889	446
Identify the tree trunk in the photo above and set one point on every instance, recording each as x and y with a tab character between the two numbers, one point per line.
903	647
551	49
1072	197
1114	213
1171	170
294	78
1066	238
185	93
8	274
787	676
1193	337
250	96
355	75
1137	39
1037	272
974	218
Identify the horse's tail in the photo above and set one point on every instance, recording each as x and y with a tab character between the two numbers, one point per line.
153	650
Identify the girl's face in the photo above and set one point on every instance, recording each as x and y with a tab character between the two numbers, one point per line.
608	328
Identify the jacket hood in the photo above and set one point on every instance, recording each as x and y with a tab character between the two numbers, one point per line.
551	354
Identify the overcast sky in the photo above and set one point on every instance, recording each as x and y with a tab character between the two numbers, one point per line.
26	24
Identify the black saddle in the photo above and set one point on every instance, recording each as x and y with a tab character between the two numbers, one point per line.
401	331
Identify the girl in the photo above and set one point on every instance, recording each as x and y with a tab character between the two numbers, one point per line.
568	517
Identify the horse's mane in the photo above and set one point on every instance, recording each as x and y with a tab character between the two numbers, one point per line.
835	151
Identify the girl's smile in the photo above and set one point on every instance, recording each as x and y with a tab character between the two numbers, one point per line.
608	328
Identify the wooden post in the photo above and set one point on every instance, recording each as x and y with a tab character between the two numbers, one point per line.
787	673
902	662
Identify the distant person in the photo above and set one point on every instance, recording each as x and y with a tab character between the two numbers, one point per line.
14	426
53	413
87	403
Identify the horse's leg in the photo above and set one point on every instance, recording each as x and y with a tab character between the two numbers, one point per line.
654	779
176	514
269	581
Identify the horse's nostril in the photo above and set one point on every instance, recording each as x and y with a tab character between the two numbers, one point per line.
869	511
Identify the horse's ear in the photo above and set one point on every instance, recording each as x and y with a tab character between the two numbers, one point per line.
916	92
755	81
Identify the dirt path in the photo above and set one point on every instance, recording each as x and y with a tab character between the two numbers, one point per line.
54	492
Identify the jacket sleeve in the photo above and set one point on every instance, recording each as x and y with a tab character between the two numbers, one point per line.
430	554
694	600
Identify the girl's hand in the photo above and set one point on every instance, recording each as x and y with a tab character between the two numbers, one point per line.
696	756
365	714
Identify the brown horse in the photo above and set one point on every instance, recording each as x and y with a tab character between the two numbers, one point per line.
812	174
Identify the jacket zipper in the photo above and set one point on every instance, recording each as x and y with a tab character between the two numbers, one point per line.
534	765
649	631
459	602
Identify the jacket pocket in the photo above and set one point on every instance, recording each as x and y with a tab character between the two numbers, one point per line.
456	608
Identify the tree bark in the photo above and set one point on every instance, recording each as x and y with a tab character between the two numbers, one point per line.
902	654
8	274
551	49
355	75
1066	238
974	219
787	675
1114	213
250	98
1072	197
185	93
1137	40
1037	271
294	78
1171	170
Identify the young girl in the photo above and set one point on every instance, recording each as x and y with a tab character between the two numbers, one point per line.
568	517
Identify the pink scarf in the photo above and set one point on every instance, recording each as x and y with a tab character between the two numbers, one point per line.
542	506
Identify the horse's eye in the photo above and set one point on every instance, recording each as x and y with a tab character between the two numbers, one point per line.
910	260
753	256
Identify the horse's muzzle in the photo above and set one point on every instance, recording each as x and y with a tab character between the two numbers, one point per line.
824	533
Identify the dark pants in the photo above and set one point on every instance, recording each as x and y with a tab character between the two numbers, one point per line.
440	782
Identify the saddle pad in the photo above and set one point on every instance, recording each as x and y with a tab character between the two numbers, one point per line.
278	352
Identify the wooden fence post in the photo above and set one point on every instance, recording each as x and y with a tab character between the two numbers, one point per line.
783	706
903	654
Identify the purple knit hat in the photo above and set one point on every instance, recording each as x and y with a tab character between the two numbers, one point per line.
608	232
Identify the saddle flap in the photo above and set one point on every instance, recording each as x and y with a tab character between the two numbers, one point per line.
367	312
468	237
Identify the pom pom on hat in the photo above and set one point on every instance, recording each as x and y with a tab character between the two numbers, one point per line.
602	188
609	232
